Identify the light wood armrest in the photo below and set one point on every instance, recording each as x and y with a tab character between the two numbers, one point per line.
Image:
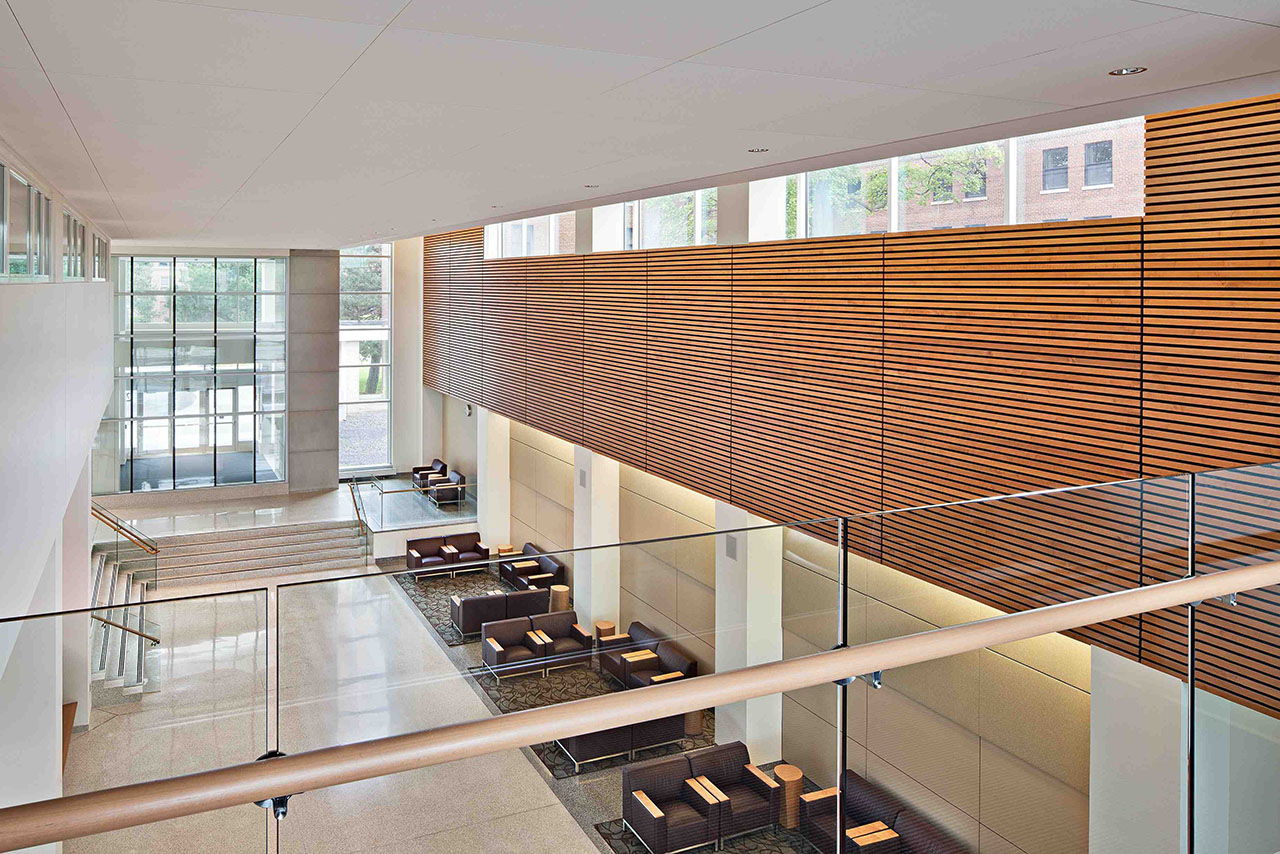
648	804
873	838
666	677
524	564
497	647
864	829
711	787
582	630
416	553
811	797
607	638
763	777
541	575
455	600
481	547
701	790
546	638
536	637
449	550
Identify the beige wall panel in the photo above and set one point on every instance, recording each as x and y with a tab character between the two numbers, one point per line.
808	742
524	505
650	580
990	842
1056	655
946	815
521	533
935	751
554	522
1031	809
524	462
809	605
949	686
697	508
555	479
696	608
1036	718
927	601
542	442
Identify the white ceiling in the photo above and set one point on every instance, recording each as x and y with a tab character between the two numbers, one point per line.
320	123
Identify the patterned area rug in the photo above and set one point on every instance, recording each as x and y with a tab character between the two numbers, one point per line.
769	840
518	693
431	595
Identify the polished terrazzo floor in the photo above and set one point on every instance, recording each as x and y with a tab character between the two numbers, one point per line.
355	660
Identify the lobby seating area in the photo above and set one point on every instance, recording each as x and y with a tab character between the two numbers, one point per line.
641	656
539	643
469	613
532	569
698	798
445	554
623	740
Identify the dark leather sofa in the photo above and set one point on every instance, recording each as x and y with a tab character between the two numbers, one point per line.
468	548
749	798
469	613
423	475
427	553
667	808
623	740
866	802
567	643
448	490
512	648
549	571
670	658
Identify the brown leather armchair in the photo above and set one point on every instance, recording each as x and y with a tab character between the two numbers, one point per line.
428	553
423	475
450	490
567	642
512	648
469	613
643	657
548	570
749	798
667	809
468	548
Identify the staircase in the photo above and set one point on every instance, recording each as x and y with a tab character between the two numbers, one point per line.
125	575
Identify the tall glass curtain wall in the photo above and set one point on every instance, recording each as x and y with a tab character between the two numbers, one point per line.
364	372
200	355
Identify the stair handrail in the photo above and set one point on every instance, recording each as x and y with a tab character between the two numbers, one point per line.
155	641
124	529
57	819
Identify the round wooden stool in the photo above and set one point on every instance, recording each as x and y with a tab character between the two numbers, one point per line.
792	780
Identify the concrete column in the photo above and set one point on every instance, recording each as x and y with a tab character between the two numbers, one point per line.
767	211
313	370
406	354
749	626
606	228
76	588
583	223
733	214
432	425
493	476
596	580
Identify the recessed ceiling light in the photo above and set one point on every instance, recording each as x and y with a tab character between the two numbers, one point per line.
591	186
756	150
1125	72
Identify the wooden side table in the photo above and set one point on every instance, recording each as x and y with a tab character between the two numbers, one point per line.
559	597
506	549
604	628
693	723
792	780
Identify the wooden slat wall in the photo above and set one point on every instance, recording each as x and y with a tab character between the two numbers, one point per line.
887	371
1212	373
689	326
554	334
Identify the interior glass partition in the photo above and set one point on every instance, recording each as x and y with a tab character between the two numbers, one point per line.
161	687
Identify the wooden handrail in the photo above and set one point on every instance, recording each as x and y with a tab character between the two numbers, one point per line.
58	819
356	501
113	624
124	532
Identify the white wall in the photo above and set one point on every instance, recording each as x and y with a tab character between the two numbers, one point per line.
458	437
407	397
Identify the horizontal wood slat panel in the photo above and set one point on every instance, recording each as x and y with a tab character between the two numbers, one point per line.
844	375
689	321
615	356
807	328
554	312
503	344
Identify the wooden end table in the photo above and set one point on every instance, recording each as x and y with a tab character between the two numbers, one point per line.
792	780
604	628
559	597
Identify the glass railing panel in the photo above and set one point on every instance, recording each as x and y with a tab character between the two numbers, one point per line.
398	502
1236	718
373	655
161	689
